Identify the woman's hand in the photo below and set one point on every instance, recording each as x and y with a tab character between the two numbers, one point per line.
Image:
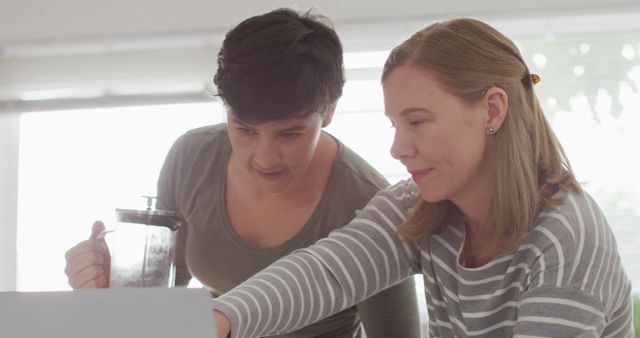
222	324
88	263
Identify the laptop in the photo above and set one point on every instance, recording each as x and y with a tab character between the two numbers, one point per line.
108	313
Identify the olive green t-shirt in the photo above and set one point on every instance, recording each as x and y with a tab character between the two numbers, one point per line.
192	183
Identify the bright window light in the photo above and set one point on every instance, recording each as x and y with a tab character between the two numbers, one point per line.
78	166
359	60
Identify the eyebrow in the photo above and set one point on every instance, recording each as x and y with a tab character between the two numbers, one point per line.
413	109
287	130
294	128
237	121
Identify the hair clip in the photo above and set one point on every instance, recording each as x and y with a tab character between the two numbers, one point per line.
535	78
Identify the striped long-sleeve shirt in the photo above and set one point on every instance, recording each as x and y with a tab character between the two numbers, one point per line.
564	280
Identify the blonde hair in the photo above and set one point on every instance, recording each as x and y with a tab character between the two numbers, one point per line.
468	57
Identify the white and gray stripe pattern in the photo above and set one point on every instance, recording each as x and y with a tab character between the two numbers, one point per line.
564	280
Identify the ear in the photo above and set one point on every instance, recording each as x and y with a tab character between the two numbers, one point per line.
328	116
497	103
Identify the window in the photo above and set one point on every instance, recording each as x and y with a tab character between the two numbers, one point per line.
78	166
590	91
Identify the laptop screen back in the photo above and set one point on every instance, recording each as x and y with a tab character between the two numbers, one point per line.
107	313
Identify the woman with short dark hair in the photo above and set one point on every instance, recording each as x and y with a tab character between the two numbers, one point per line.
269	181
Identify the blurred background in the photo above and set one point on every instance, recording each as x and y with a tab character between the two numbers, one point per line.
93	93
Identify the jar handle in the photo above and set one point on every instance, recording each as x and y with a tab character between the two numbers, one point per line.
103	233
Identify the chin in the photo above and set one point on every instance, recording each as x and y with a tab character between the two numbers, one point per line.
272	186
430	196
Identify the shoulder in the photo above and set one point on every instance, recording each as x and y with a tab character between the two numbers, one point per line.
196	142
188	164
404	190
349	166
575	248
396	201
196	150
352	183
215	134
404	193
574	226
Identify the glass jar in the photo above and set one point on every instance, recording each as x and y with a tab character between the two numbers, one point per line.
142	247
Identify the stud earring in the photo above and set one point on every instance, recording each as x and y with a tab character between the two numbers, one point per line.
491	130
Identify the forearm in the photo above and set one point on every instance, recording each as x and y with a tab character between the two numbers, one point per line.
272	302
350	265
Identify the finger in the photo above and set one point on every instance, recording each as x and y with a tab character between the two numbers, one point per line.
97	232
84	260
83	268
84	277
82	248
100	282
96	229
95	281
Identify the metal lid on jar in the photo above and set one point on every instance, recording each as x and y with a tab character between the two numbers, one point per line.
150	216
165	218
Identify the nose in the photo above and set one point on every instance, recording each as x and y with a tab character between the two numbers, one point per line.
402	148
267	155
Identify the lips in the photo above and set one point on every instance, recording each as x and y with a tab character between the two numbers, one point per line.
271	175
418	174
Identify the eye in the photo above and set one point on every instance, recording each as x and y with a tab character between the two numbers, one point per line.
393	125
290	136
415	123
245	131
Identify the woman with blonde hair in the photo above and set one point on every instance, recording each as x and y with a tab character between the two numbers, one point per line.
507	241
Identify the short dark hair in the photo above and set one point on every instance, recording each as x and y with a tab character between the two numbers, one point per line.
279	65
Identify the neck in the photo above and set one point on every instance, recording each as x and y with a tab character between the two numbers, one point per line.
314	179
474	202
475	205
